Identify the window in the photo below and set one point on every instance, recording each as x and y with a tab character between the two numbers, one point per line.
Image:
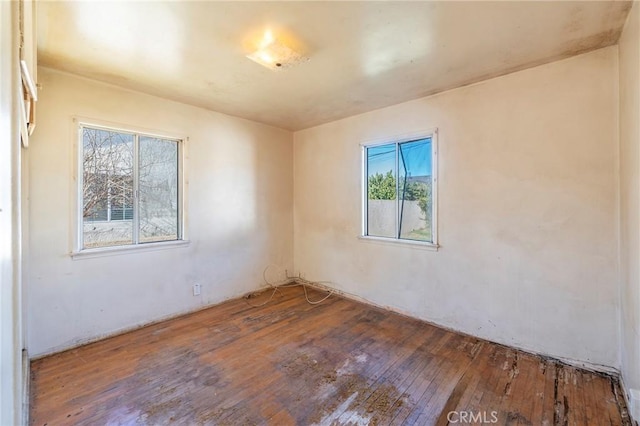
400	190
130	188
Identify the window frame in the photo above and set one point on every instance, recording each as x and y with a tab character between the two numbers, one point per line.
78	251
397	140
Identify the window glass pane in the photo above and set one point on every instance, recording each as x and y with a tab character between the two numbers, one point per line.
414	202
381	191
158	189
107	188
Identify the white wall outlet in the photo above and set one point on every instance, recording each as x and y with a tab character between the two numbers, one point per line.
196	289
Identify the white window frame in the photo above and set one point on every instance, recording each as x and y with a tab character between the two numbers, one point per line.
78	252
397	140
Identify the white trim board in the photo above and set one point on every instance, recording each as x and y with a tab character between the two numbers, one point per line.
82	342
633	402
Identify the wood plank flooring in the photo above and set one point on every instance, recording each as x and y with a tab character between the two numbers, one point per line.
291	363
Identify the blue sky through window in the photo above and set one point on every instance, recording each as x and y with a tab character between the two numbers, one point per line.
416	155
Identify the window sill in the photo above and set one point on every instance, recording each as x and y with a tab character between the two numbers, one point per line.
119	250
394	241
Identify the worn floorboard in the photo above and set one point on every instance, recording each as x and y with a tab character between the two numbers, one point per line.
289	362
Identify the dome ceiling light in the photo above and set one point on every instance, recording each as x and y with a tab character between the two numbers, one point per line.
275	55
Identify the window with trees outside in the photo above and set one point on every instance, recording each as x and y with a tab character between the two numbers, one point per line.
129	188
400	190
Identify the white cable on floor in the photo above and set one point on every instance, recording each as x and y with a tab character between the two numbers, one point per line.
290	282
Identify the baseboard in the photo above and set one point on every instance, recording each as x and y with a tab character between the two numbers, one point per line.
26	392
584	365
633	402
83	342
631	396
593	367
628	396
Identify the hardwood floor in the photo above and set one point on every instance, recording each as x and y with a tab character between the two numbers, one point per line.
288	362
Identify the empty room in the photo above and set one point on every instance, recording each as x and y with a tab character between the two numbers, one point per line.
320	213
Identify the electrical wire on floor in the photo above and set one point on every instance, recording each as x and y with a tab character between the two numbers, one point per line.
287	283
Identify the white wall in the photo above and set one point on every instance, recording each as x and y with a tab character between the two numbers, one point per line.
239	216
11	342
629	51
527	210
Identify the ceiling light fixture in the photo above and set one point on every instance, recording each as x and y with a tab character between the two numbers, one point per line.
276	55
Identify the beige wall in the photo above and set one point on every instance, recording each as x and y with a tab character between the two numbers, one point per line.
629	51
239	216
527	210
528	216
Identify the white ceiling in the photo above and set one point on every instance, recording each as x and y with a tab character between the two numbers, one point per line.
363	55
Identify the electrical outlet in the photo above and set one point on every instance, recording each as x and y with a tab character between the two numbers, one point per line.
196	289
